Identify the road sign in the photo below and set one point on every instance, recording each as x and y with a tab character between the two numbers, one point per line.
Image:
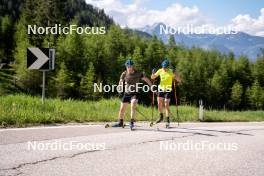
40	58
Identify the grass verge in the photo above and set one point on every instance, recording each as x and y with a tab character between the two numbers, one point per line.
23	110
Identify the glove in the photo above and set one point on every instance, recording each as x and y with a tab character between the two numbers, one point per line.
154	70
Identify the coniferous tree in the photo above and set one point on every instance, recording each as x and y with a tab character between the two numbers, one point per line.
138	58
63	82
87	81
6	38
28	80
258	71
255	95
236	95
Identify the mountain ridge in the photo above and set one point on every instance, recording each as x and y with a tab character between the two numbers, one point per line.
240	43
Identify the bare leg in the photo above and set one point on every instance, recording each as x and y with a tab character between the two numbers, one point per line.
160	108
122	111
160	104
133	108
167	107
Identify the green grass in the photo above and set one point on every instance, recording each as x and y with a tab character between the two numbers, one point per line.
24	110
234	116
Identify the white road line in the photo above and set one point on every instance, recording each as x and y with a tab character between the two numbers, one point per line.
102	124
49	127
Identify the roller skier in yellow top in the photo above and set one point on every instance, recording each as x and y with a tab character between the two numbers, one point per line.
167	76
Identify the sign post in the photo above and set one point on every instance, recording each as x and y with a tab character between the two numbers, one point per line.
41	59
43	86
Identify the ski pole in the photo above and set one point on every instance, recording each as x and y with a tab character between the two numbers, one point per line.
176	101
153	97
152	103
141	114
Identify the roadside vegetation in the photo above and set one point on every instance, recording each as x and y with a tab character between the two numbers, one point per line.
22	110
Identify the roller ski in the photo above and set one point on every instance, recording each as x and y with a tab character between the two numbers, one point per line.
116	125
167	125
158	121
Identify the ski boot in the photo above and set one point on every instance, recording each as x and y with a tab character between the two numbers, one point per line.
168	123
132	124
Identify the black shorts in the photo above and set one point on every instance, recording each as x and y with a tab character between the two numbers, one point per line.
166	95
128	97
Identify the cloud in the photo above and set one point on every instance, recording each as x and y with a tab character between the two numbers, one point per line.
246	23
137	15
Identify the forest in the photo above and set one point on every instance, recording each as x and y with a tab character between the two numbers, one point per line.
222	81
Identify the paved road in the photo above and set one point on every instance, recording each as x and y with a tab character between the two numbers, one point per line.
206	149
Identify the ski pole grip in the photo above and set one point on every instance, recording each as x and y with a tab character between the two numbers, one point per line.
154	70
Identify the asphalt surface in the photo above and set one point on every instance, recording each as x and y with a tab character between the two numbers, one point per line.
207	149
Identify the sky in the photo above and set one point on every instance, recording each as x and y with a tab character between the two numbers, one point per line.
242	15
